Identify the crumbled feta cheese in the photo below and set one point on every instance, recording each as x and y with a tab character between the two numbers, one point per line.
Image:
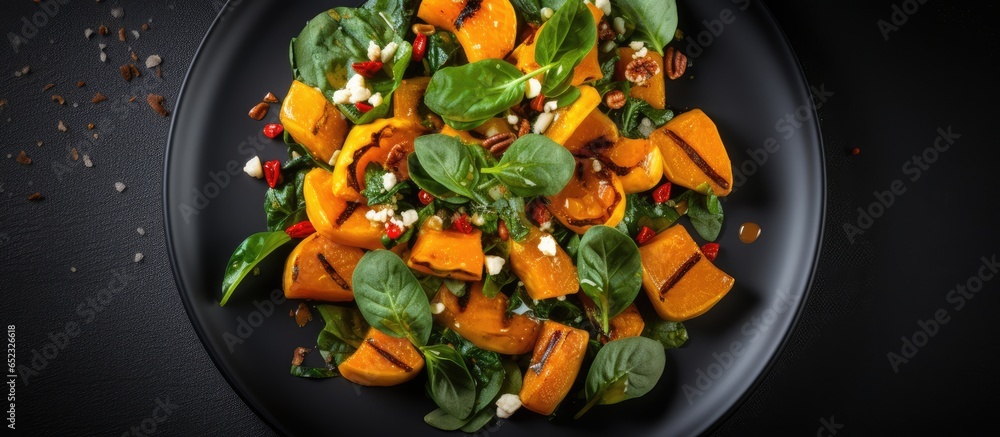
254	168
546	226
388	181
550	106
153	61
637	45
604	6
619	25
542	122
140	231
512	119
138	257
437	308
88	32
119	186
596	165
646	127
342	97
380	216
375	99
477	219
609	46
360	95
356	90
374	51
333	158
493	264
507	405
532	88
641	53
547	245
388	52
547	13
561	298
397	222
410	217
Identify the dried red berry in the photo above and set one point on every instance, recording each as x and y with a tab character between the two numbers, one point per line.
711	250
301	229
272	173
462	224
363	107
368	68
662	193
272	130
502	231
645	234
419	47
393	230
425	197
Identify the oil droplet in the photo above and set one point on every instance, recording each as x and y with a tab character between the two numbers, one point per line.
749	232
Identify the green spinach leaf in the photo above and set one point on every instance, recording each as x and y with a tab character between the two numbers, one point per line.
623	369
375	190
629	117
641	211
427	183
671	335
468	95
534	166
390	297
564	41
448	162
704	210
314	372
655	21
247	255
610	271
449	382
442	51
285	205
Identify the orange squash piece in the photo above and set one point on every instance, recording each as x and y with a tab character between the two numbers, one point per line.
484	322
693	152
594	196
313	121
597	127
627	323
641	161
382	360
448	253
320	269
486	29
373	143
653	91
339	220
407	98
569	118
680	282
588	70
544	276
554	365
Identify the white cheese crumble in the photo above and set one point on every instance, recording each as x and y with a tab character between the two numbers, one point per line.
547	13
333	158
437	308
119	186
477	219
619	24
646	127
637	45
546	226
375	99
596	165
641	53
561	298
550	106
507	405
512	119
543	121
547	245
410	217
604	6
374	51
380	216
253	168
342	97
356	86
493	264
532	88
388	181
388	52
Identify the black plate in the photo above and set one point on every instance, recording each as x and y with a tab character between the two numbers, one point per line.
745	77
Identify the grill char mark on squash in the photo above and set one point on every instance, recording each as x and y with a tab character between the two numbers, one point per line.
698	160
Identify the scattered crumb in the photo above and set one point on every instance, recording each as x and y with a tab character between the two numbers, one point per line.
299	356
121	34
88	32
39	143
102	30
74	155
98	98
58	99
119	186
302	315
117	12
87	162
153	61
72	269
61	126
138	257
23	159
135	34
48	87
81	84
34	197
90	126
140	231
103	56
134	57
156	102
270	98
145	26
259	111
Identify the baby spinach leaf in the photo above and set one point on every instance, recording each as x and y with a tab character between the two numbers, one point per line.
430	283
610	271
655	21
534	166
468	95
441	419
375	190
629	117
285	205
704	210
345	323
390	297
247	255
623	369
449	382
641	211
564	41
448	162
671	335
314	372
424	180
442	51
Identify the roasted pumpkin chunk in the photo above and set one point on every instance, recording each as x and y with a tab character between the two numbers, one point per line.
569	118
693	153
407	98
382	360
486	29
589	69
594	196
544	275
320	269
386	142
484	321
680	282
626	324
653	89
448	253
339	220
313	121
554	365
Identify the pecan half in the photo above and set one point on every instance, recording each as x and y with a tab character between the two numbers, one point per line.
675	62
259	111
615	99
605	32
641	70
524	129
497	144
396	155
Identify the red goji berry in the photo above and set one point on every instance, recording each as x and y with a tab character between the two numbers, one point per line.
419	47
711	250
662	193
425	197
272	130
502	231
645	234
363	107
539	213
301	229
367	68
272	173
462	224
393	230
